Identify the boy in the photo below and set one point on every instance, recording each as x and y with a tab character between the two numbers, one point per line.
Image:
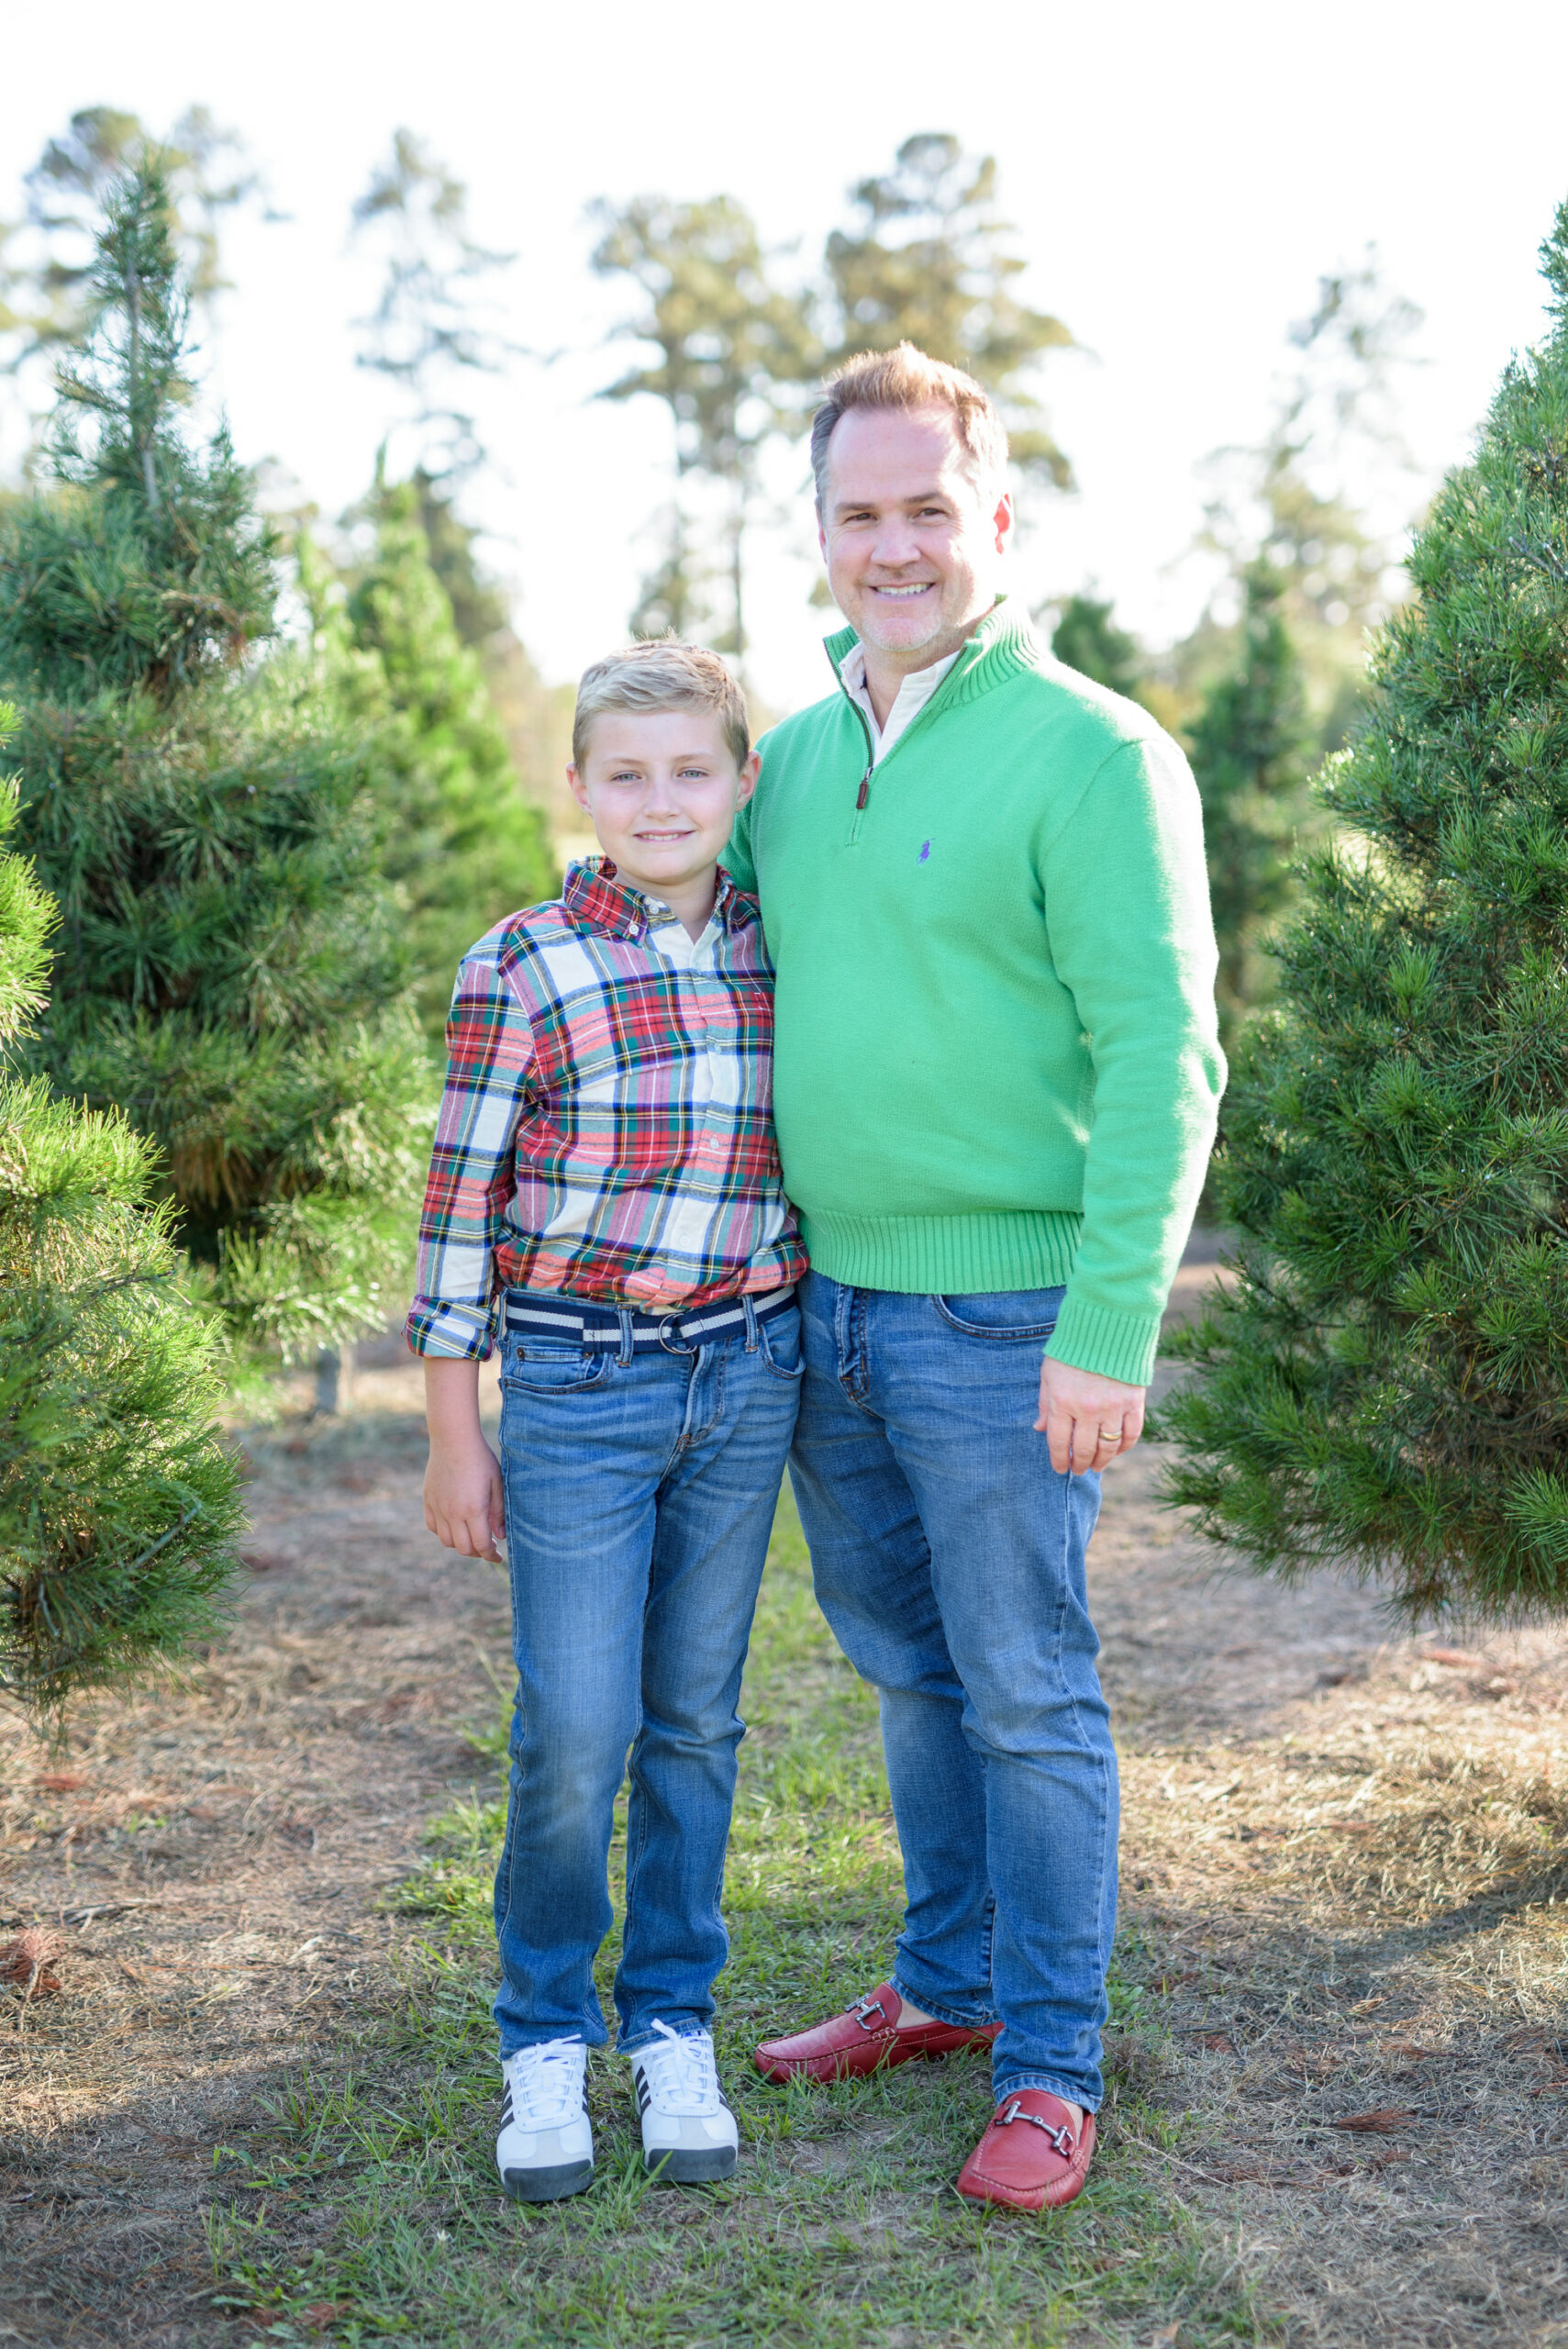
605	1197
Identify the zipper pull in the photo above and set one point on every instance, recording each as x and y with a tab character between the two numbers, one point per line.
865	793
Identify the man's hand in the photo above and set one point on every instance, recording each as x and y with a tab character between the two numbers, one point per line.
464	1502
1087	1419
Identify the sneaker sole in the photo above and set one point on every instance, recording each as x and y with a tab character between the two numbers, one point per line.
679	2167
547	2185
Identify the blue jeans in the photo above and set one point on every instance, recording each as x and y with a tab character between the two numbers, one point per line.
949	1559
640	1492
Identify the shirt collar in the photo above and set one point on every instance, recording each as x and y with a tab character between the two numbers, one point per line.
918	683
595	896
915	690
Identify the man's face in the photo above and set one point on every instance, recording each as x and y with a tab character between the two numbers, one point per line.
912	543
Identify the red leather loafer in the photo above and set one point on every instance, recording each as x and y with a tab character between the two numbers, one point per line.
863	2039
1031	2158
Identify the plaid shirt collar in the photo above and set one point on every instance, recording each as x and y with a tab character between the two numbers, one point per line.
597	896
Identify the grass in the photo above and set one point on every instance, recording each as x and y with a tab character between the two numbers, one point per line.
370	2209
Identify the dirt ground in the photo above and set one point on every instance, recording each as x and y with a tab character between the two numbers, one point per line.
1343	1857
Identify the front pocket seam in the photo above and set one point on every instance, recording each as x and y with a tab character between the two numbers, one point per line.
596	1374
1017	1334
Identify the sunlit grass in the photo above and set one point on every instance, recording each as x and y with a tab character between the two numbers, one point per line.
372	2209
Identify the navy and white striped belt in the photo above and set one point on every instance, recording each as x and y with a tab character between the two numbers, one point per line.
538	1311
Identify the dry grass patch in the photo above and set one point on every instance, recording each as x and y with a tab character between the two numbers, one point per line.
1352	1934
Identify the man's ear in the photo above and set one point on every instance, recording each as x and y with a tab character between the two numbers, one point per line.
578	789
1003	520
749	773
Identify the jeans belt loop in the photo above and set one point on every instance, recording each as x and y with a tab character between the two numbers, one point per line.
750	1312
623	1357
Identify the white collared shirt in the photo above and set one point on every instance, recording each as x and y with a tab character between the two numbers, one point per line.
914	692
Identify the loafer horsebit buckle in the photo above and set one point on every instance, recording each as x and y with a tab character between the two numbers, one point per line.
1062	2139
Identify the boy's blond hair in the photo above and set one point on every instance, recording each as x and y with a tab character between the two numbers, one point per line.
661	673
902	379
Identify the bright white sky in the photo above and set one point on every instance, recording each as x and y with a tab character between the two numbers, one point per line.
1180	175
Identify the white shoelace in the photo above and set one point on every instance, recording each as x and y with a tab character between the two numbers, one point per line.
682	2073
547	2083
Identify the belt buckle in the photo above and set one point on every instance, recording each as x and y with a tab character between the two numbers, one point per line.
666	1321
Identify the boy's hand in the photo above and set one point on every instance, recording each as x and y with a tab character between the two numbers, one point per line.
1087	1419
465	1504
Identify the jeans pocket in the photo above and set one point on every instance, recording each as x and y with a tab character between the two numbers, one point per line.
778	1340
552	1366
1005	1317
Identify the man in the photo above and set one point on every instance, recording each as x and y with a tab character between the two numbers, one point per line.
982	886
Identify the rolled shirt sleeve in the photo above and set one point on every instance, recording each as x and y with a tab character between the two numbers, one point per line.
472	1177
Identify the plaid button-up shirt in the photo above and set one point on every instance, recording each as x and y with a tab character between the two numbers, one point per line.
606	1127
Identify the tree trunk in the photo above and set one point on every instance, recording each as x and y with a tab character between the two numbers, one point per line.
334	1381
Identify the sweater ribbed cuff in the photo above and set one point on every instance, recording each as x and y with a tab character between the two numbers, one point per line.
1112	1345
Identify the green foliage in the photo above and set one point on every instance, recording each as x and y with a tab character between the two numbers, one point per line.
228	970
47	287
1298	502
118	1504
427	327
731	344
466	846
480	610
1249	753
158	568
1087	637
1388	1384
926	260
739	353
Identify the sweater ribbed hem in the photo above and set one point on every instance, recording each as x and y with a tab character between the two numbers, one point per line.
943	1255
1114	1345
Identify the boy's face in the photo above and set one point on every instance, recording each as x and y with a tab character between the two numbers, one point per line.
662	787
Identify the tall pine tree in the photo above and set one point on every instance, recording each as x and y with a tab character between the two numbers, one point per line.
119	1502
1249	753
228	968
733	348
927	260
461	839
1387	1386
1087	637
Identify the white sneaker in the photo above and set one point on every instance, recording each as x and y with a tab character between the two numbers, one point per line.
689	2137
546	2146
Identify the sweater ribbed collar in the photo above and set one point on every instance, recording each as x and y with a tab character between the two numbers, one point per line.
1001	647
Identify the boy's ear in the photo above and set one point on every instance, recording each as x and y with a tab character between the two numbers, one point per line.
578	789
749	773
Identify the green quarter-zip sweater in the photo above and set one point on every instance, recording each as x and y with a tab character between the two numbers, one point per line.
996	1061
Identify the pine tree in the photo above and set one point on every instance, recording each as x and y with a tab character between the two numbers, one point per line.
927	260
732	346
119	1502
1249	753
1388	1384
227	968
1086	637
461	839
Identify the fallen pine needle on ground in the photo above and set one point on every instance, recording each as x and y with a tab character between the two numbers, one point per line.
260	2104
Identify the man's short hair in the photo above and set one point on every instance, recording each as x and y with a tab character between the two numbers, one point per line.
661	673
902	379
